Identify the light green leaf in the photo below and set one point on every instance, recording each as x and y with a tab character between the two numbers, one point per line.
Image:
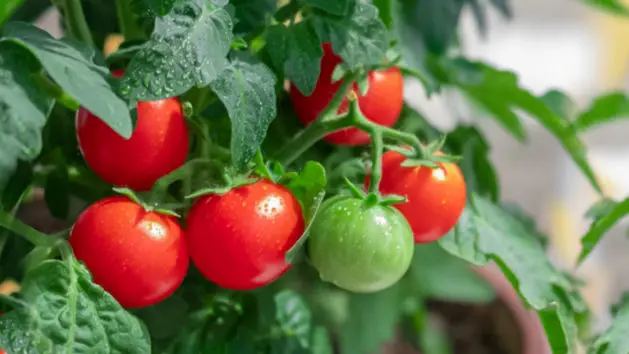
500	93
247	89
615	339
293	316
602	224
74	70
486	233
188	48
309	188
321	341
67	313
359	38
371	321
614	7
334	7
297	52
437	274
23	111
604	109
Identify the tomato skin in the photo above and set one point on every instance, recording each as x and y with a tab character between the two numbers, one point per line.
158	145
359	248
382	104
239	240
435	197
139	257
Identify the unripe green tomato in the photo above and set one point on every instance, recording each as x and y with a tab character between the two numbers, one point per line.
360	248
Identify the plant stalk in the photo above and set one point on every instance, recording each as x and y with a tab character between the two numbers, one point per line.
76	24
127	21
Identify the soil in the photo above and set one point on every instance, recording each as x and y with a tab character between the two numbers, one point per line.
471	329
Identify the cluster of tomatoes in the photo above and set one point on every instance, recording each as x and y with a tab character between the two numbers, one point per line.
239	239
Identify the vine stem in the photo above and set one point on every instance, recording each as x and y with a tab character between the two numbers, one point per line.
128	25
75	21
55	91
30	234
376	160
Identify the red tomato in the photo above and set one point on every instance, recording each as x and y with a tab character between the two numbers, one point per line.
382	103
436	197
158	145
239	240
139	257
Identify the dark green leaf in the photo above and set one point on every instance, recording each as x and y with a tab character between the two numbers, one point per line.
600	209
335	7
57	189
371	321
359	38
75	73
615	7
385	11
438	275
601	225
23	111
252	14
188	48
309	188
154	7
485	233
17	185
500	93
558	322
166	319
614	340
480	175
604	109
297	52
7	8
436	21
560	104
293	316
247	89
70	314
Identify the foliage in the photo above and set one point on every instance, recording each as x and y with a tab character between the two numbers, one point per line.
228	62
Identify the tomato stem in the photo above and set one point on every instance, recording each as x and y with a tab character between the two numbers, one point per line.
55	91
127	21
261	166
33	236
76	24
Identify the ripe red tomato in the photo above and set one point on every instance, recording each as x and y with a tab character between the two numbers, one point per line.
239	240
139	257
382	103
436	197
158	145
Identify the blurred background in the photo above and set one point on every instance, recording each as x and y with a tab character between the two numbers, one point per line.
559	44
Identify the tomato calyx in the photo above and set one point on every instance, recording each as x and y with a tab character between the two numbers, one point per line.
429	155
372	199
150	207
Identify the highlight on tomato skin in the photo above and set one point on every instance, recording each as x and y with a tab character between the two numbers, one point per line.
436	197
158	145
138	256
239	240
382	104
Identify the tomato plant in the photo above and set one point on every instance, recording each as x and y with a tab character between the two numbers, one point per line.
213	176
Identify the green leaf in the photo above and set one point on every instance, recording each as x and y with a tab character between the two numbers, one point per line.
359	38
435	21
293	316
615	7
57	189
437	274
7	8
321	341
165	319
309	188
247	89
385	11
334	7
500	93
188	48
297	52
601	225
560	327
154	7
615	340
23	111
486	233
67	313
75	72
604	109
252	14
371	321
17	186
601	208
480	175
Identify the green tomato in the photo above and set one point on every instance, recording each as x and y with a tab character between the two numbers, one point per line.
358	247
